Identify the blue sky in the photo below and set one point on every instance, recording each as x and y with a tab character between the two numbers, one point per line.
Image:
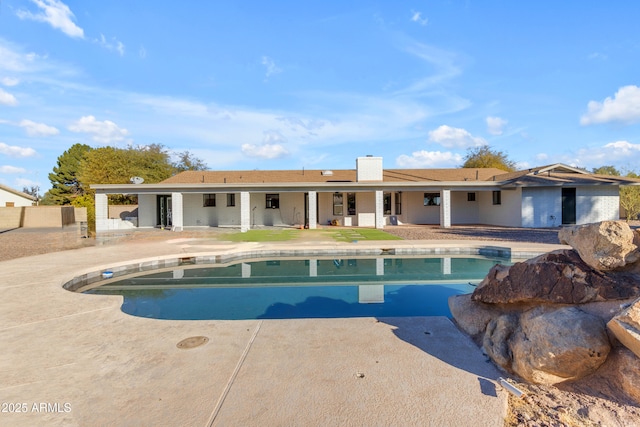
291	85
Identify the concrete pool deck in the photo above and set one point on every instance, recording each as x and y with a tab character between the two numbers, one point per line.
76	359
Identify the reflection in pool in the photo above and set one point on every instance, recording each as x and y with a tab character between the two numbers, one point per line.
297	288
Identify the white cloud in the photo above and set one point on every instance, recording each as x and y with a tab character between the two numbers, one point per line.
614	153
24	182
417	17
105	132
542	157
38	129
271	137
444	64
450	137
624	107
426	159
142	52
7	99
56	14
112	44
264	151
495	125
15	151
11	169
15	60
9	81
271	67
623	148
598	56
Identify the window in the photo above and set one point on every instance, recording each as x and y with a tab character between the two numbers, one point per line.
432	199
273	201
497	197
337	204
398	203
351	203
208	200
386	200
471	197
231	199
10	204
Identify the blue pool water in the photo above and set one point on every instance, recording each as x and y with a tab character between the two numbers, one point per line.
284	289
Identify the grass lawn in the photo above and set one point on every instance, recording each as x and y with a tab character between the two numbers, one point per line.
338	234
264	235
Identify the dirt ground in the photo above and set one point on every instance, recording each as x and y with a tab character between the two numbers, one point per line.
590	402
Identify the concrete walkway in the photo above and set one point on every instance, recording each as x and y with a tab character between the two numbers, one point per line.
76	359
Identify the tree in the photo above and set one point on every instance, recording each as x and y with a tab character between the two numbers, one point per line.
485	157
630	198
65	183
34	191
86	201
188	162
606	170
110	165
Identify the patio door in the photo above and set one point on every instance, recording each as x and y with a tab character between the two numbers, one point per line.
164	211
568	205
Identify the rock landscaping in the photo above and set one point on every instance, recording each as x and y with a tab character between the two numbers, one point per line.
566	315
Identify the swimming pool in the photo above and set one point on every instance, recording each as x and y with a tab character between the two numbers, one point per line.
301	288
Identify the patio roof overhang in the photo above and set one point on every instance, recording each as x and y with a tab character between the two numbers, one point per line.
163	188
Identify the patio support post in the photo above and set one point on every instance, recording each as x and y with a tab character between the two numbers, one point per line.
379	209
177	212
102	212
445	208
313	207
245	211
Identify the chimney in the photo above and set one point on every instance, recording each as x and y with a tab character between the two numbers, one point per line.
369	168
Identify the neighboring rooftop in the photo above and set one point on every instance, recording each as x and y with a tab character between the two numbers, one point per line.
17	193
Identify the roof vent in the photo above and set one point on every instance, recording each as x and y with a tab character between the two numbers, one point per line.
327	173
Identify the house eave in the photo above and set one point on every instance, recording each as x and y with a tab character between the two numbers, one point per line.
293	187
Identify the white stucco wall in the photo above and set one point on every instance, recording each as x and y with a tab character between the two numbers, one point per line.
541	207
507	214
290	212
597	203
462	210
365	203
414	211
197	215
147	213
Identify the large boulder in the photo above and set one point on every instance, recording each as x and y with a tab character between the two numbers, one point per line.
470	316
547	345
626	327
497	339
605	246
627	373
560	277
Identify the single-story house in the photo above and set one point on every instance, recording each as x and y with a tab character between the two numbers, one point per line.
370	196
13	198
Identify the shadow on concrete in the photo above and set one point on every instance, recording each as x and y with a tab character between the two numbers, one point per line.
440	338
